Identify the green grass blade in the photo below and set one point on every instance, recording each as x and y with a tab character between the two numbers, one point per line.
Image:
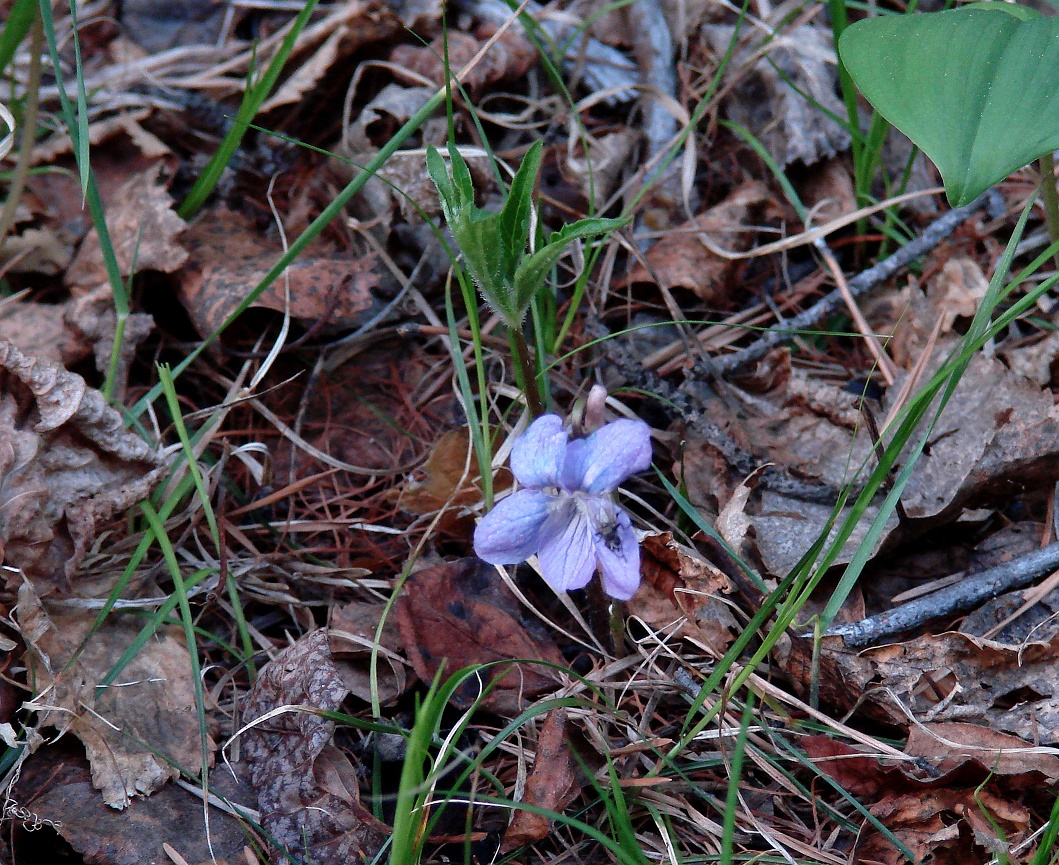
17	25
165	378
253	98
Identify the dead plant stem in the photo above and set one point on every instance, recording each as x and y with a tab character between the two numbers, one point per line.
29	131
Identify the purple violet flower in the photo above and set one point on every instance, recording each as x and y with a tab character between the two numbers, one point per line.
565	511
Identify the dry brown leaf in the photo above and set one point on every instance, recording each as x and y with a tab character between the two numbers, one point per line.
510	57
56	786
998	433
679	594
934	826
450	478
958	290
402	181
953	677
143	228
352	630
552	784
156	25
791	126
66	464
40	330
609	156
827	191
459	614
681	260
37	250
228	259
931	814
127	122
67	333
360	23
137	731
306	788
952	744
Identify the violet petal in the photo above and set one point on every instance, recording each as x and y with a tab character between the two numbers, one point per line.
510	532
567	556
537	455
619	558
616	451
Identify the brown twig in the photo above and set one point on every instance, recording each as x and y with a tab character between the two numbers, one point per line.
863	282
958	598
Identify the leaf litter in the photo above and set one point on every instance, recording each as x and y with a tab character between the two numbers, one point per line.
331	572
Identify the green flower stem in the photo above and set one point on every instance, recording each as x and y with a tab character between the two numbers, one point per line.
606	618
1049	198
523	360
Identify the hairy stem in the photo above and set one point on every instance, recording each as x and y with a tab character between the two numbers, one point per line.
524	369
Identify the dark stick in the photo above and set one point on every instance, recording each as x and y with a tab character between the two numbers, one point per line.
677	401
858	285
964	595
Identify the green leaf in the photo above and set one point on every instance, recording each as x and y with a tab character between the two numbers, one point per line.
1023	13
515	215
532	271
976	89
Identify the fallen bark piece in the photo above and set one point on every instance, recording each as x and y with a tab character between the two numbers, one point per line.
306	787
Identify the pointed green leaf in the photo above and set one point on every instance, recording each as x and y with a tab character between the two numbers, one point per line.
439	173
976	89
461	178
515	215
532	271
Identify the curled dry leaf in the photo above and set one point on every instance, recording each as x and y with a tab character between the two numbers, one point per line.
950	677
460	614
510	57
449	478
945	827
796	70
950	745
934	805
402	180
352	25
66	464
999	433
143	228
135	732
158	26
306	788
352	630
228	259
682	260
67	333
679	594
552	784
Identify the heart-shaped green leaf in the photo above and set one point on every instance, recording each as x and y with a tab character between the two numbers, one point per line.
976	89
